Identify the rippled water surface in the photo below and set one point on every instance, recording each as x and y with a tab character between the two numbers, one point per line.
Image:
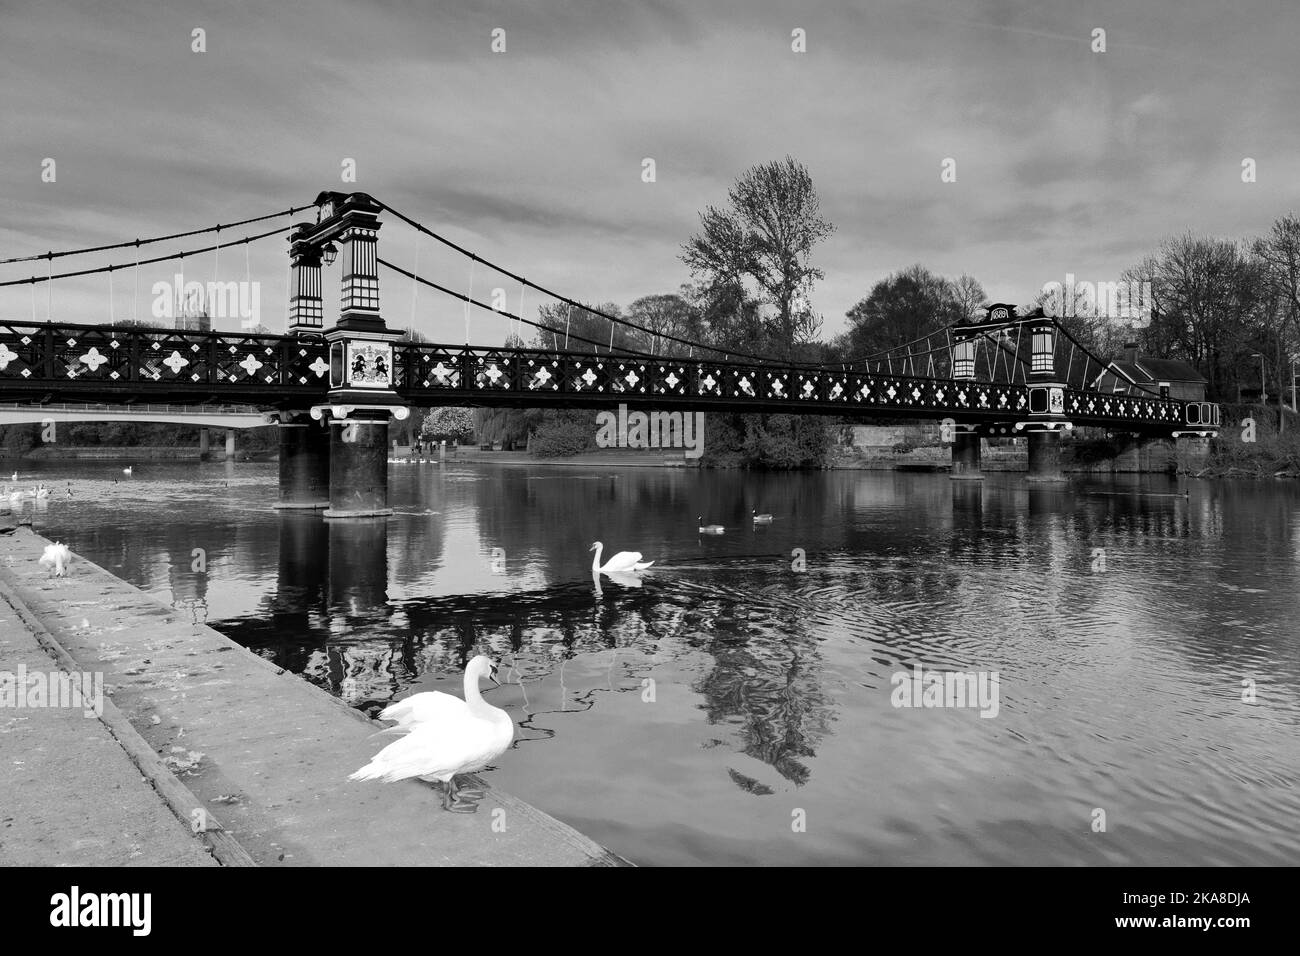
698	718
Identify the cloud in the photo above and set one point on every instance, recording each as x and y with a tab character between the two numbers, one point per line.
533	157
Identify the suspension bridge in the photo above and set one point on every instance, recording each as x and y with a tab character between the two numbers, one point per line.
333	391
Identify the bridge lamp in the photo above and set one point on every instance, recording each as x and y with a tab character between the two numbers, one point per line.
964	359
329	252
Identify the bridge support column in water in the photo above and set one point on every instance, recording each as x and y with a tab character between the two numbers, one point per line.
966	456
359	466
1045	456
304	462
1191	453
205	445
230	445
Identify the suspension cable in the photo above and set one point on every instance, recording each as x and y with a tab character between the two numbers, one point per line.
519	318
144	242
175	255
570	302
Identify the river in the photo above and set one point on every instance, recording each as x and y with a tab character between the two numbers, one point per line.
740	709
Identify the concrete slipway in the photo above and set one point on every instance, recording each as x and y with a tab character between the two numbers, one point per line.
194	722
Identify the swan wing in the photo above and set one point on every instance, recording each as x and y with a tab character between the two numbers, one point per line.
623	561
641	565
441	749
419	708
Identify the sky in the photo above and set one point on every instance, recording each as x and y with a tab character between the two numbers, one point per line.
1068	160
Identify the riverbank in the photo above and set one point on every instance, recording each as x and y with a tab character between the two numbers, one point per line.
261	750
71	794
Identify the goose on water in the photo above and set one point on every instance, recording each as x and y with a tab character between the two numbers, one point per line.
761	519
621	563
709	528
445	735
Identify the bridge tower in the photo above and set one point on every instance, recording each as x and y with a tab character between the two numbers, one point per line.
361	375
965	438
1046	403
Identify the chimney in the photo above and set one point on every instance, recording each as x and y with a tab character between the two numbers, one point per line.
1130	353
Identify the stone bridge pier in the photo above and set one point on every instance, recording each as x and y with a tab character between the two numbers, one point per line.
1045	456
304	462
966	455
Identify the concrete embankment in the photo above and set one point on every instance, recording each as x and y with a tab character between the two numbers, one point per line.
264	752
70	793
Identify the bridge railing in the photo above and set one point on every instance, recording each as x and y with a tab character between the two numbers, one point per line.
120	355
291	370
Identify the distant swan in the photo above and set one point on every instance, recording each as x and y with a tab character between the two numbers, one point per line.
128	470
762	519
56	557
709	528
445	735
620	563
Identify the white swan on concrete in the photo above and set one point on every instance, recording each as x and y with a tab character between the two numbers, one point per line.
621	563
445	736
57	557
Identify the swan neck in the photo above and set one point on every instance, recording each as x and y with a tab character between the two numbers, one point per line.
595	561
472	696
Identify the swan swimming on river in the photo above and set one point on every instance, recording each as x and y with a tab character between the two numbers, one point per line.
621	563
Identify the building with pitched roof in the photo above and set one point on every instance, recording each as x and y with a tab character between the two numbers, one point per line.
1134	372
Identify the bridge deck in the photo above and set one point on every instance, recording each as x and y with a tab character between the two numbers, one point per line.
84	363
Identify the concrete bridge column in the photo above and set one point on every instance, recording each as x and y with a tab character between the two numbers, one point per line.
230	445
205	445
1045	456
359	465
1192	453
304	464
966	456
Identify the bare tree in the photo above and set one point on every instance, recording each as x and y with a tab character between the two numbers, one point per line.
969	295
1279	256
1206	299
665	315
767	235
